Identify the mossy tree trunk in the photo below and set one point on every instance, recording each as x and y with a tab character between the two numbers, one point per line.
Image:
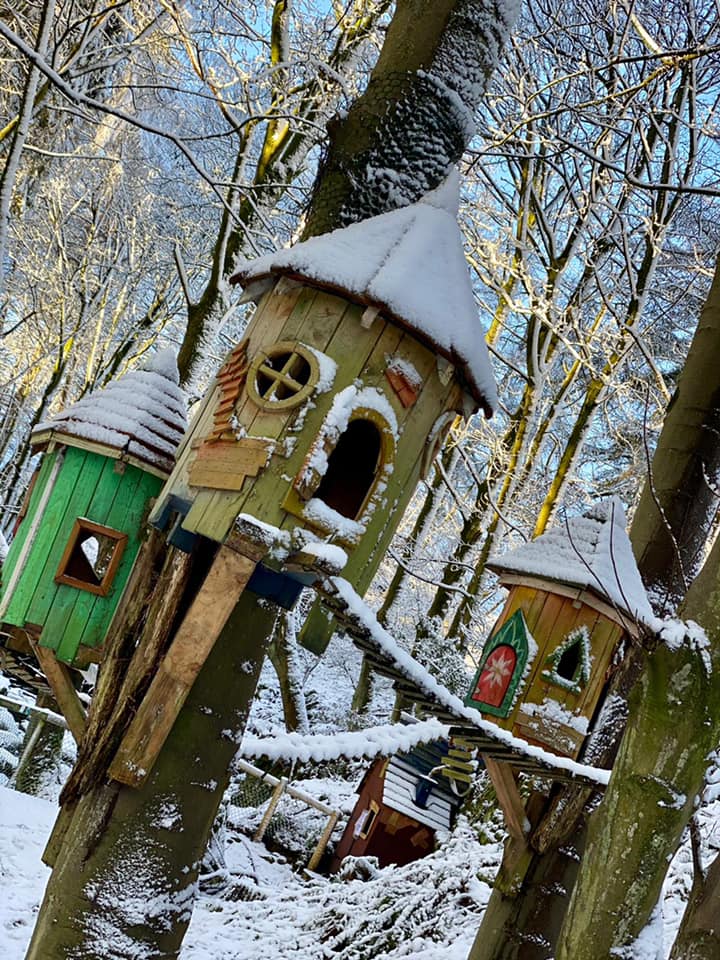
669	525
699	935
675	717
127	868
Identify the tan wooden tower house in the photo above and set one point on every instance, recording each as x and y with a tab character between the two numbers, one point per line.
364	347
575	595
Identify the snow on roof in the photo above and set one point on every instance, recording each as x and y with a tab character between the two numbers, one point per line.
591	552
408	262
142	414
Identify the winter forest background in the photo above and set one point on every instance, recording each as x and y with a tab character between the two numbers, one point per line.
156	143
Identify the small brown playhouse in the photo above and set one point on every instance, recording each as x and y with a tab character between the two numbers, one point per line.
575	594
403	802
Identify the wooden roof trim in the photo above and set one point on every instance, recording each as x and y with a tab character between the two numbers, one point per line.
41	441
581	594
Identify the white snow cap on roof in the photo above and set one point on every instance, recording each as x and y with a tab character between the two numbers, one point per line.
142	414
410	263
592	552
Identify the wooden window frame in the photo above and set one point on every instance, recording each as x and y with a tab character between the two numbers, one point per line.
513	632
372	813
580	637
303	392
82	525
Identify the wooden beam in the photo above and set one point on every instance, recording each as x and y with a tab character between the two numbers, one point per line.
508	796
184	659
58	676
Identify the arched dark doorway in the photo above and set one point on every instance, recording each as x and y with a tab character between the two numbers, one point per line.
352	469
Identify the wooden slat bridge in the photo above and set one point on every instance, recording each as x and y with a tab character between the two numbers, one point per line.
495	748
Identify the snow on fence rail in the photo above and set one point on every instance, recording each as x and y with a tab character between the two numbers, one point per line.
281	786
380	741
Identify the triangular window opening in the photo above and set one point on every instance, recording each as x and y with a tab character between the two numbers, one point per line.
352	469
569	663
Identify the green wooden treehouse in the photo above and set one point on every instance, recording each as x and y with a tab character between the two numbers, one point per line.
364	348
575	595
105	458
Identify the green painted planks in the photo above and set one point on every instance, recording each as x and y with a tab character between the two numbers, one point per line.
73	492
128	513
24	528
74	609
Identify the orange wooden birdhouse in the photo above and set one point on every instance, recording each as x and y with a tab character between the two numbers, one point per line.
575	595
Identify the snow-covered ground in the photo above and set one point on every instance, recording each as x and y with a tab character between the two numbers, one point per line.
429	909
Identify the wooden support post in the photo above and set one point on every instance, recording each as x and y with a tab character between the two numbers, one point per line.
509	798
271	808
58	676
322	843
196	635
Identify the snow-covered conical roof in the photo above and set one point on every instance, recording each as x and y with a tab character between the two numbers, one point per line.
408	262
591	552
142	414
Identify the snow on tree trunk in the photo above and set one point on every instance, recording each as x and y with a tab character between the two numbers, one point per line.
659	771
126	869
678	504
699	935
675	716
125	878
413	122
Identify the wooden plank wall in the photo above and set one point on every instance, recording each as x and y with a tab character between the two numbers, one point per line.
24	528
550	619
328	323
87	486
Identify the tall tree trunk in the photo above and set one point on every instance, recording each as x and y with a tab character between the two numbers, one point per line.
678	471
402	136
9	173
282	653
127	868
699	935
675	717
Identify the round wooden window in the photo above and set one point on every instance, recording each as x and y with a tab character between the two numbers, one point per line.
283	376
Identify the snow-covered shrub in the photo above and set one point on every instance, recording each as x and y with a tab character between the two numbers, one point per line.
11	738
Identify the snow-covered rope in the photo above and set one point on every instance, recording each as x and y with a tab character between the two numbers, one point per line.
380	741
419	676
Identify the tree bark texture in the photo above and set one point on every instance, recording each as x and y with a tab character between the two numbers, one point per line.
526	916
675	717
699	935
678	503
127	870
647	805
414	120
676	464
